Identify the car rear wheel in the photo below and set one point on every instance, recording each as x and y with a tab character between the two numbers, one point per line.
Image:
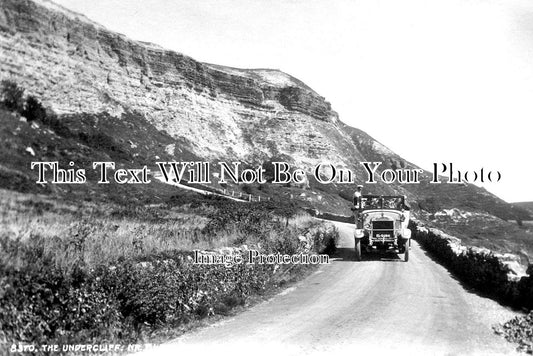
406	253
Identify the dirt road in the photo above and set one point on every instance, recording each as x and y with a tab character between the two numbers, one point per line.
381	305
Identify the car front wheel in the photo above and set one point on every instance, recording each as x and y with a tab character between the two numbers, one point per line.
358	249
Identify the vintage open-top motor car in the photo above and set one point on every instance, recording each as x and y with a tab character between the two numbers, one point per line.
381	224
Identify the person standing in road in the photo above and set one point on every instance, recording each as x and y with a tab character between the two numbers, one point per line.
357	204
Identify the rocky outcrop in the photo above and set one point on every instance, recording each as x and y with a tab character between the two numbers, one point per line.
294	98
518	330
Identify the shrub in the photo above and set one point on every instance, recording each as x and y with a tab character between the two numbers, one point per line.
519	330
53	289
57	126
12	95
326	238
40	304
247	189
33	110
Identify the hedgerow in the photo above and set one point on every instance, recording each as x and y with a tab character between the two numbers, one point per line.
45	300
40	304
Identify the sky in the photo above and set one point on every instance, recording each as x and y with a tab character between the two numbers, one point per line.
447	81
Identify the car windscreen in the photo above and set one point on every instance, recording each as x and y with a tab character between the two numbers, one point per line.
395	203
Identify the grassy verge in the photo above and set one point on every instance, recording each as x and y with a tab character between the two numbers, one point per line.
103	273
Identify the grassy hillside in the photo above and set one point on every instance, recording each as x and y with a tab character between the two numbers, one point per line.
85	272
527	205
129	141
110	262
81	139
132	142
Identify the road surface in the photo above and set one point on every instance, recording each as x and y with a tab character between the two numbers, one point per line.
380	305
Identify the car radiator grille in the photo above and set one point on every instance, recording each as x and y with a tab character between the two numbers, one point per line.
383	231
383	225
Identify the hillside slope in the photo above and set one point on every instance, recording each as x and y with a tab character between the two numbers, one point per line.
95	79
527	205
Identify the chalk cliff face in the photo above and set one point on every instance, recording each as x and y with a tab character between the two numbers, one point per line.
75	66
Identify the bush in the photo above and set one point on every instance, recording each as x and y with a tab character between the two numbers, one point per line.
326	238
13	99
126	299
33	110
12	96
519	330
57	126
39	303
247	189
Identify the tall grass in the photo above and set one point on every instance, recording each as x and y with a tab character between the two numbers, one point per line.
91	235
71	234
80	263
